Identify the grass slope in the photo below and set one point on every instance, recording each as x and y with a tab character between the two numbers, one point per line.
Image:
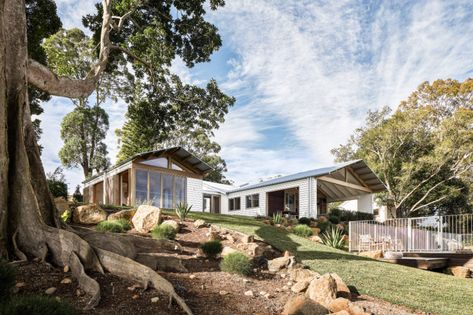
422	290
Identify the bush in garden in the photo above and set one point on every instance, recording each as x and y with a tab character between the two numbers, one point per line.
110	226
334	219
126	224
335	238
236	263
163	231
212	248
302	230
66	216
7	279
305	221
277	218
182	210
36	305
323	225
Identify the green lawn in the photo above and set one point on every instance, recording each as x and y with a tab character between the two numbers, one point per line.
422	290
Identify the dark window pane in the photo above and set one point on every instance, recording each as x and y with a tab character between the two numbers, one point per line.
167	191
237	203
141	187
155	188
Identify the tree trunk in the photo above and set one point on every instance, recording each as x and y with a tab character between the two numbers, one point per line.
29	224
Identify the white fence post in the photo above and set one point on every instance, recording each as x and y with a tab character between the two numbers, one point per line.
350	230
409	234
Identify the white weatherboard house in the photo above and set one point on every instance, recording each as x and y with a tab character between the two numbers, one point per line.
170	176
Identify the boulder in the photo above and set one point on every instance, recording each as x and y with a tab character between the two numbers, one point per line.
89	214
356	310
301	305
276	264
340	313
146	218
392	255
302	274
300	286
315	238
322	290
228	250
342	289
199	223
172	223
245	238
374	254
122	214
61	204
460	272
339	304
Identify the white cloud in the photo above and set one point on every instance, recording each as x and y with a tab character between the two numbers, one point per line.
72	11
319	67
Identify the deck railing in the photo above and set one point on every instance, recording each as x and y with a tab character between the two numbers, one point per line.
449	233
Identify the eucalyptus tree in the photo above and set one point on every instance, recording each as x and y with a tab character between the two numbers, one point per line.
144	35
423	152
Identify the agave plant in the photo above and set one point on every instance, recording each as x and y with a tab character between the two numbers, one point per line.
334	237
182	210
277	218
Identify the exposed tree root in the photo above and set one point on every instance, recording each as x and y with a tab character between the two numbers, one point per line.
130	269
68	248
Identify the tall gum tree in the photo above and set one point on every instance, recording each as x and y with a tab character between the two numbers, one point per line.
29	224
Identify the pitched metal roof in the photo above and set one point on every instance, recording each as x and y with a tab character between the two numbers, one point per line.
358	166
182	155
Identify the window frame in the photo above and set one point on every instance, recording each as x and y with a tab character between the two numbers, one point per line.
232	204
252	201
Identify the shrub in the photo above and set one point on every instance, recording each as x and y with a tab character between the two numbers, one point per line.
7	279
346	216
334	219
212	248
302	230
163	231
277	218
182	210
305	221
126	225
36	305
113	208
236	263
66	216
110	226
323	225
334	237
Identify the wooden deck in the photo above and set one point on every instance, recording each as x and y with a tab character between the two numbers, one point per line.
426	263
454	259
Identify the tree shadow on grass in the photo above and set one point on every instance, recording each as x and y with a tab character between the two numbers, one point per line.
279	238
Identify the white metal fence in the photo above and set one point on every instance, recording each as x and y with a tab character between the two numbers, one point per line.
449	233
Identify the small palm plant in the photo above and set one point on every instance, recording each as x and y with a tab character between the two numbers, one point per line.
182	210
277	218
334	237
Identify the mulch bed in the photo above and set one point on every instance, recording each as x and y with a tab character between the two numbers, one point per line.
204	288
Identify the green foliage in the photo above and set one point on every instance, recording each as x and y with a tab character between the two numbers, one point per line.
114	208
422	152
305	221
333	219
212	249
66	216
334	237
77	195
277	218
7	279
36	305
236	263
115	226
323	225
182	210
302	230
163	231
346	216
57	183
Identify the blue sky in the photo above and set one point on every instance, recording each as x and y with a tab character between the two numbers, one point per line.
304	74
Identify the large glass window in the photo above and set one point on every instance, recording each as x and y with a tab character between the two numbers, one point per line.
155	188
141	186
158	189
234	204
167	190
160	162
180	189
252	201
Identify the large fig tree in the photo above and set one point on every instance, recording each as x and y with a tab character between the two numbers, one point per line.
147	35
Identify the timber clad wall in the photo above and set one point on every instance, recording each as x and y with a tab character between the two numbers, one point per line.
303	185
194	194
